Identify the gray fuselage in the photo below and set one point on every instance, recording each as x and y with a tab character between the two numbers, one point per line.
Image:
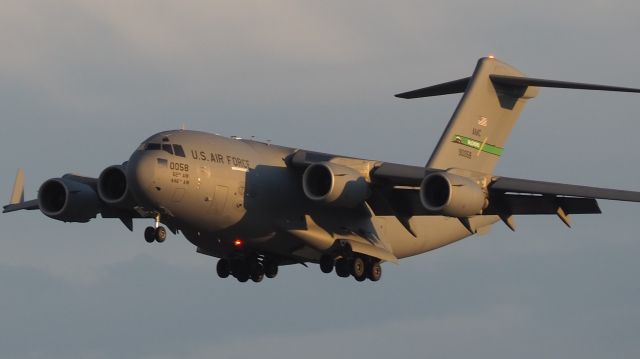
216	190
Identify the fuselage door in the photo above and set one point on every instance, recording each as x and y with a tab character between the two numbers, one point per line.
219	199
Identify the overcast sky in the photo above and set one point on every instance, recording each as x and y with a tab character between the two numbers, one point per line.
82	83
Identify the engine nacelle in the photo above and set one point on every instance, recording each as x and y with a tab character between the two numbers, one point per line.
452	195
335	185
67	200
113	189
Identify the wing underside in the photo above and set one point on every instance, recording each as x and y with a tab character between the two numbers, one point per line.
395	191
406	203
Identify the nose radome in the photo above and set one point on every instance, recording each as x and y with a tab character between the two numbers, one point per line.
140	177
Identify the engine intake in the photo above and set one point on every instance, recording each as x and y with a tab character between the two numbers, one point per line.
67	200
452	195
334	185
113	189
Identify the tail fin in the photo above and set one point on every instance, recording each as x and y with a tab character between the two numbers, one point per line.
493	98
476	134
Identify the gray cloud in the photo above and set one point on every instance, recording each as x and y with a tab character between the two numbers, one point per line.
82	82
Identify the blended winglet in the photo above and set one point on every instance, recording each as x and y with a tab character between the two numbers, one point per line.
17	202
17	194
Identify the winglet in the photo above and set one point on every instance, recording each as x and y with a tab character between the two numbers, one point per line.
17	195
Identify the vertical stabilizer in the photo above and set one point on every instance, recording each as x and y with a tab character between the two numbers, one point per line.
478	130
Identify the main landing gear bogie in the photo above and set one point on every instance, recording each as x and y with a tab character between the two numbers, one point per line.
245	268
359	266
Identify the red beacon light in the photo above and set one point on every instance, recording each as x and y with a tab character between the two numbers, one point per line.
238	243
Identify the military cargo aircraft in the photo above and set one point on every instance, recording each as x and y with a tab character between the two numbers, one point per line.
257	206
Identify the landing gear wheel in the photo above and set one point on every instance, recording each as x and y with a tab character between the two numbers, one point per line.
257	273
358	269
257	277
326	263
161	234
242	277
342	267
223	268
374	272
270	269
149	234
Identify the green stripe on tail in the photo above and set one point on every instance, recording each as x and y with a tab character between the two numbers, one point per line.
478	145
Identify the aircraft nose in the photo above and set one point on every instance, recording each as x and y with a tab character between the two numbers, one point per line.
141	178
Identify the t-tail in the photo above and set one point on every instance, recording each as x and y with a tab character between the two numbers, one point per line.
493	98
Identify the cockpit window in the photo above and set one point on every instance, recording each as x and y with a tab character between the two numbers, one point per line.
167	148
178	151
175	149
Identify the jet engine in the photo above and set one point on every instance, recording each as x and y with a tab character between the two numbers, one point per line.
67	200
334	185
113	189
452	195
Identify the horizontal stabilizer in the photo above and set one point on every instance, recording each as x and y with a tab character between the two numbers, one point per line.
516	81
457	86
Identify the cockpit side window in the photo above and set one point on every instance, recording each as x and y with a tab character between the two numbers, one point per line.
178	151
167	148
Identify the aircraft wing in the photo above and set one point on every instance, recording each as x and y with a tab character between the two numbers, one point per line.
28	205
399	195
515	185
17	202
399	185
395	191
